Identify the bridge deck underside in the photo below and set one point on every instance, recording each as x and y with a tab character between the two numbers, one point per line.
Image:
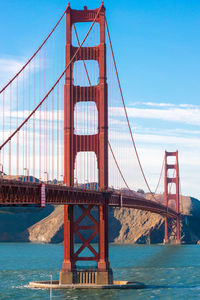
15	193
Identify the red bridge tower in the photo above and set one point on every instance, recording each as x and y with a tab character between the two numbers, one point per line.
172	226
98	143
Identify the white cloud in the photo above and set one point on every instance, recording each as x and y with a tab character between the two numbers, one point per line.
155	104
181	115
167	140
9	67
164	104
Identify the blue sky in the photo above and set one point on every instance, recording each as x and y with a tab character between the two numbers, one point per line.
157	49
156	42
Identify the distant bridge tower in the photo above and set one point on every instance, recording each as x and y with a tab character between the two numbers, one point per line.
97	143
172	198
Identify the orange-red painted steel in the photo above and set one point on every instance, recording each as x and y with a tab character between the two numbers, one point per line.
172	227
97	143
16	193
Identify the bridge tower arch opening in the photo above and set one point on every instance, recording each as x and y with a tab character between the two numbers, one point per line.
75	143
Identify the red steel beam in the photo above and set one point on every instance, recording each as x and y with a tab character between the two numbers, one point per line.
16	193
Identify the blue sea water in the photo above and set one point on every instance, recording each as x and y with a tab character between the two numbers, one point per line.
169	272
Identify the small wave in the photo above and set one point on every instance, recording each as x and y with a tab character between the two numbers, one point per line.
19	287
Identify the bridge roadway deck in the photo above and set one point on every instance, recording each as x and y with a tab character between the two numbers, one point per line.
16	193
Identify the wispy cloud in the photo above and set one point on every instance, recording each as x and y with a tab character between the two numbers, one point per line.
182	115
164	104
9	67
154	104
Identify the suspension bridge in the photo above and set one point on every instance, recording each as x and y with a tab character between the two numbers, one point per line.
64	131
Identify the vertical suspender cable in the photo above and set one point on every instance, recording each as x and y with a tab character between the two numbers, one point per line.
23	128
18	132
34	83
49	115
52	129
76	106
58	133
44	121
10	158
87	140
126	112
57	168
3	126
40	117
29	123
45	125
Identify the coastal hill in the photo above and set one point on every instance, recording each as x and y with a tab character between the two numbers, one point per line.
125	225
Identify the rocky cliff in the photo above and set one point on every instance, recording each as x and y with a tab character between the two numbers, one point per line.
125	225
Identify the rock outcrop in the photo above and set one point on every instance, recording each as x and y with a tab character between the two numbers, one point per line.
138	226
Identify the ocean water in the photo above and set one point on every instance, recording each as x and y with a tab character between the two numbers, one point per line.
169	272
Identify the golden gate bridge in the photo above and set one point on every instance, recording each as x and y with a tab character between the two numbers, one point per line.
63	119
